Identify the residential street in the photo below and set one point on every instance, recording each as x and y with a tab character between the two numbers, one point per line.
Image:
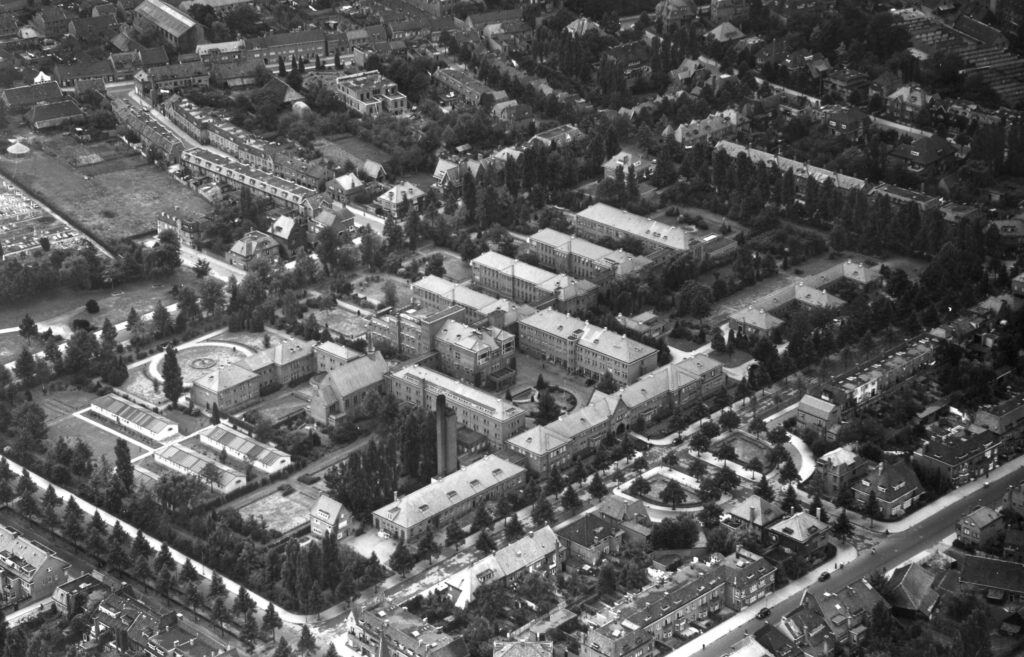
891	552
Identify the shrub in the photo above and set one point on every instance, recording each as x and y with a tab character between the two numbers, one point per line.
92	307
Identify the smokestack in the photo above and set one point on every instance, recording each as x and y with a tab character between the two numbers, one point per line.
447	447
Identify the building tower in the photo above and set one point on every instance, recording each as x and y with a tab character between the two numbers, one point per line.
447	446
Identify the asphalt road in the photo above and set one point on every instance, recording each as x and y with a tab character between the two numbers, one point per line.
891	551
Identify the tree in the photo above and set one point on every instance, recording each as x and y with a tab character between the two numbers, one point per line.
25	367
727	479
250	631
219	614
729	420
485	543
217	588
675	534
764	489
271	621
639	486
283	649
547	409
597	488
842	528
606	383
49	508
188	573
570	500
454	534
96	536
542	512
92	307
757	426
401	560
123	464
672	494
426	548
161	320
871	509
306	641
790	503
513	528
243	603
788	472
72	524
720	540
171	371
390	294
28	328
711	515
201	268
481	519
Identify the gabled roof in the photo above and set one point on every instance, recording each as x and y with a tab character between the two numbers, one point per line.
332	507
62	109
910	588
988	573
438	496
253	243
353	376
166	17
588	530
725	32
800	527
31	94
816	406
890	481
756	510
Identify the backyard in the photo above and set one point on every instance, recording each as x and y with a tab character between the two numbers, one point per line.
110	192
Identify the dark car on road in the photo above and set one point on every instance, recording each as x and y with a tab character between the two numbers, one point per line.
764	613
824	576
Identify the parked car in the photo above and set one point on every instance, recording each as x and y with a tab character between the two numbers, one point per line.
824	576
764	613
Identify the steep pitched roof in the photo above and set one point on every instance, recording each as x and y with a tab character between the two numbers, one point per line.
756	510
353	376
910	588
587	530
166	17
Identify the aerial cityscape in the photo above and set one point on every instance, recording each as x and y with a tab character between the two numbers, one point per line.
511	328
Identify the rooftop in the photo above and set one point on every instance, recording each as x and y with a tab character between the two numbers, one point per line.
672	237
133	414
439	495
595	338
166	17
456	391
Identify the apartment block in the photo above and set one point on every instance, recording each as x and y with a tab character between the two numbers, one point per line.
484	357
580	258
580	348
446	500
958	455
493	417
434	293
410	331
523	283
369	93
260	183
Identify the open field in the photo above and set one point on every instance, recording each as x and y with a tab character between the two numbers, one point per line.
281	512
112	194
350	148
102	442
62	306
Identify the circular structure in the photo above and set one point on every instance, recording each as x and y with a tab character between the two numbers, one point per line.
198	359
17	149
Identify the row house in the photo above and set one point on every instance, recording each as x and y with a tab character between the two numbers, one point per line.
538	552
711	129
802	171
303	44
448	499
665	613
399	633
675	386
260	183
870	382
957	456
463	84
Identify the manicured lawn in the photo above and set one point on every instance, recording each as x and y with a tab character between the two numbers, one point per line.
102	442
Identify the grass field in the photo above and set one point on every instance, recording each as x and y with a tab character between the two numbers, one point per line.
102	442
350	148
62	306
114	196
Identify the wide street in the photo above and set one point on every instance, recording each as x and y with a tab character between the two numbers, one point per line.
891	551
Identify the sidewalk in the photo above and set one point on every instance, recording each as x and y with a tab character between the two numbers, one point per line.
915	518
844	554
